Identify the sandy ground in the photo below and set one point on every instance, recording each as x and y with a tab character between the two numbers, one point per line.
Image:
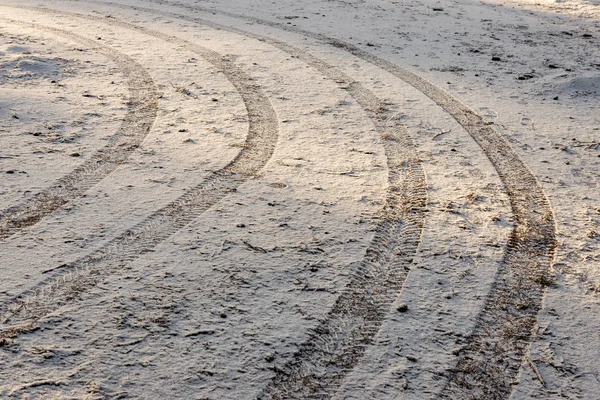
362	199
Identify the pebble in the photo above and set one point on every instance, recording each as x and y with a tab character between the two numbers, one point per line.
402	308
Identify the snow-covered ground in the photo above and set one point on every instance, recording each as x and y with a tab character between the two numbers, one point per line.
361	199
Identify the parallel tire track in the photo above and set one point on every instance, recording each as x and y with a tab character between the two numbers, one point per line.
339	342
66	282
489	363
141	113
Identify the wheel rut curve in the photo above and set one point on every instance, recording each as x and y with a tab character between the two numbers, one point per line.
338	343
140	116
489	362
21	314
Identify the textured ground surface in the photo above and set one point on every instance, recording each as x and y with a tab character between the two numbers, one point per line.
363	199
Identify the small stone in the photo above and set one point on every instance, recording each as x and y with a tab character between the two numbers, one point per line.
75	154
496	59
525	77
411	358
241	225
269	357
402	307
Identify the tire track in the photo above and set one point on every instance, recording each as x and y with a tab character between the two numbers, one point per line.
339	342
140	116
65	283
489	362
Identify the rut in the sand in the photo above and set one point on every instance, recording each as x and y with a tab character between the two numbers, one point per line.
65	282
379	277
338	343
488	365
141	113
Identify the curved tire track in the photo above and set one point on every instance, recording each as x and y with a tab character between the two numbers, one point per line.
339	342
141	113
67	281
489	363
